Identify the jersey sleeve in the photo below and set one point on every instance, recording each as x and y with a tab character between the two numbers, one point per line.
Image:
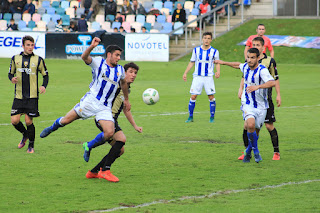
274	66
95	63
268	44
216	56
123	74
265	75
42	67
12	68
249	41
241	66
193	56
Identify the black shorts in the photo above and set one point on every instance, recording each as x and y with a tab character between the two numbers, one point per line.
117	128
270	118
25	106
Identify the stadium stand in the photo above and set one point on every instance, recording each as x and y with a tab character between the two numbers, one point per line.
46	18
31	24
61	11
41	10
147	5
168	5
55	4
45	4
137	26
126	26
7	17
100	18
165	11
116	25
151	19
3	24
157	5
161	18
130	18
51	26
110	18
26	17
65	4
148	26
36	17
141	19
79	12
16	17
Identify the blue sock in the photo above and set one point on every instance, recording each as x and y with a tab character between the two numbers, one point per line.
249	148
253	139
56	125
192	104
99	138
212	107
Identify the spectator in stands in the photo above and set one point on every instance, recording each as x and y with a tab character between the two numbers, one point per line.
12	26
121	30
91	7
19	5
115	30
82	24
118	18
110	8
73	27
126	8
29	7
232	7
137	8
144	30
204	8
59	26
5	6
179	14
133	30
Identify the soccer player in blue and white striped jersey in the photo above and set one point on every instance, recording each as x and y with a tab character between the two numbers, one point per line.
203	58
106	75
254	99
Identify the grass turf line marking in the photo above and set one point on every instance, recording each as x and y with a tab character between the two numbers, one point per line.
182	113
206	196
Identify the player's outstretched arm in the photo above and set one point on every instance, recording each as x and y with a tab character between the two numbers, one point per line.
268	84
125	89
190	65
86	54
241	88
235	65
129	116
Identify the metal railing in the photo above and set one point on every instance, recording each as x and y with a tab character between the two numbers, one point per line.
201	18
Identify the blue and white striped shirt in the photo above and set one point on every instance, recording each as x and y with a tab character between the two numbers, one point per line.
259	98
105	80
204	60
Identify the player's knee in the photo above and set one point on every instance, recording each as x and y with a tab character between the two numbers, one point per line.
269	127
251	126
28	123
193	97
108	134
121	151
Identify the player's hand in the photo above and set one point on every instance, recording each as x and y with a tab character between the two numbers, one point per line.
239	93
14	80
252	89
138	128
127	105
217	74
42	90
184	77
278	100
95	41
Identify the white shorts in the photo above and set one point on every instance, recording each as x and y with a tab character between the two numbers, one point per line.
258	114
199	82
89	106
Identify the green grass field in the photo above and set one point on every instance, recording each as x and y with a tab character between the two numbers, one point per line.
180	167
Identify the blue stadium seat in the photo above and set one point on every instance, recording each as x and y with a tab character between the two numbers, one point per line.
22	24
65	4
55	4
195	12
247	2
31	24
51	10
157	5
147	26
46	4
157	26
80	11
55	17
116	24
197	4
16	17
96	25
46	18
41	10
61	11
110	18
167	27
7	17
65	20
147	5
176	26
169	5
161	18
141	19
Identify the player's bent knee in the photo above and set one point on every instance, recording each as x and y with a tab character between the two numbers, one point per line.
108	134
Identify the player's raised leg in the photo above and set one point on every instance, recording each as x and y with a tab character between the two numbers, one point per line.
108	131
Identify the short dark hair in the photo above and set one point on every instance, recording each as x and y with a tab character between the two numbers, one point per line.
260	25
254	50
207	33
143	27
132	65
259	39
112	48
83	15
27	38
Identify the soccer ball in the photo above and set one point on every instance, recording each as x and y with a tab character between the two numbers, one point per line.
150	96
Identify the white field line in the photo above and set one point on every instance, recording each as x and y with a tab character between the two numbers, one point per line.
206	196
182	113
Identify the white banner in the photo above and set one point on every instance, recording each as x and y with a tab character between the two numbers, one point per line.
11	43
147	47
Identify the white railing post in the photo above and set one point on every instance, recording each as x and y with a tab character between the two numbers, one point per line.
229	16
242	11
186	37
200	29
214	25
295	8
318	7
275	7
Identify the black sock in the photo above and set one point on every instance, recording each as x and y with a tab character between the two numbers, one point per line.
99	165
31	134
275	140
112	155
245	138
20	127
